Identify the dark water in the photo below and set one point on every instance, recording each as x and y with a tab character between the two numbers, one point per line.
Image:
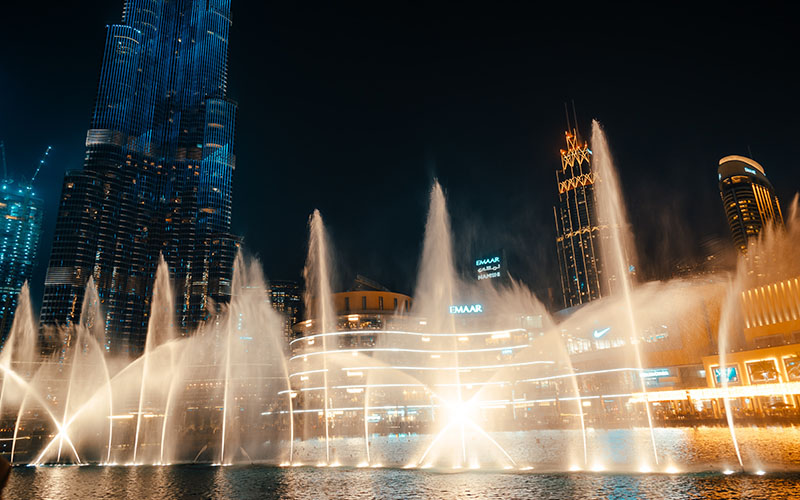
261	482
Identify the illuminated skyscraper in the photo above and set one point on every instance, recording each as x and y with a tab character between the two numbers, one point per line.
748	198
577	230
156	177
20	231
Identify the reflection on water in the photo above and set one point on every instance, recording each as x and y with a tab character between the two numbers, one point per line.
246	482
688	449
704	453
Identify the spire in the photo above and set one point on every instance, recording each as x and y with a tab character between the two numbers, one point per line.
566	112
575	119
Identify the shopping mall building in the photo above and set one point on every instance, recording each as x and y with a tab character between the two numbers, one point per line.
382	365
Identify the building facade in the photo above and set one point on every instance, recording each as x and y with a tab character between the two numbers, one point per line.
20	231
748	199
286	297
577	229
156	177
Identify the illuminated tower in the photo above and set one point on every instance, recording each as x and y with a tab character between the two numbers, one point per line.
748	198
156	177
577	230
20	230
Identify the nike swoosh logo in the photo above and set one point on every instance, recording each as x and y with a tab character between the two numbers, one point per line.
599	333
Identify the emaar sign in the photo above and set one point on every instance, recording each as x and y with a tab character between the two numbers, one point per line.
487	261
467	309
489	267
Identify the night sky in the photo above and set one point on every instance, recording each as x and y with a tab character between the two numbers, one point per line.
356	109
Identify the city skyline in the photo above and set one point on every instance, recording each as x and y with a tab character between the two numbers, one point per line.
397	250
509	132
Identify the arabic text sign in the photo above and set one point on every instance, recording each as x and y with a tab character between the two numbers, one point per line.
489	267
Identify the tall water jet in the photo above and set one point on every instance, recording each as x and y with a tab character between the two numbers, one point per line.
617	249
437	278
726	326
319	302
20	350
436	292
771	258
160	329
236	285
20	346
254	355
91	321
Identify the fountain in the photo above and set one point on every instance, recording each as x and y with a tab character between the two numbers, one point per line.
471	374
618	250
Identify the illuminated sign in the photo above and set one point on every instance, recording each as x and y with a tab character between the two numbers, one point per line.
749	170
467	309
598	334
490	267
732	375
655	373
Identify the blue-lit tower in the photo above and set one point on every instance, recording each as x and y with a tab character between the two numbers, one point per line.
156	177
20	231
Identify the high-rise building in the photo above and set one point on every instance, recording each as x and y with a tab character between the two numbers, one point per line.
287	298
156	177
748	198
577	229
20	231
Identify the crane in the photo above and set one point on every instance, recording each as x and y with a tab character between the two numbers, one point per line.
41	162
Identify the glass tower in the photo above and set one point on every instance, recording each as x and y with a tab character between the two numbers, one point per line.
577	229
156	177
748	198
20	231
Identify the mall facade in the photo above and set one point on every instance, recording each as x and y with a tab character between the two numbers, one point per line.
383	368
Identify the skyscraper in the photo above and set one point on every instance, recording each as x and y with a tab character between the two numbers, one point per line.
20	231
156	177
286	297
577	229
748	198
